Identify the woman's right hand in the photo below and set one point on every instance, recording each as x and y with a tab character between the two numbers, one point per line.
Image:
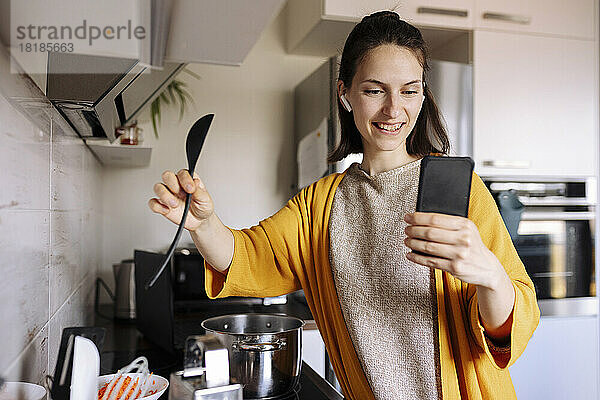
171	194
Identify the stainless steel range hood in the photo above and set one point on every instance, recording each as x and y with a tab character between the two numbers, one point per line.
97	93
111	93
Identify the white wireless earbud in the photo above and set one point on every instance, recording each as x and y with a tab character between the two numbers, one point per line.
345	103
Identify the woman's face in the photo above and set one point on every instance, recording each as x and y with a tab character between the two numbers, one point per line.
386	97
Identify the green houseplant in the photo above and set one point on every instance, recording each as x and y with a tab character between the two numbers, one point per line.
174	94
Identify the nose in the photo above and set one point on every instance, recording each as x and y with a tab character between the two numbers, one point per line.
393	105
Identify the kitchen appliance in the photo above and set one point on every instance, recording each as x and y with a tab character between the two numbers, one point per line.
555	235
206	372
124	298
315	100
86	368
162	320
188	275
60	387
110	93
265	351
510	210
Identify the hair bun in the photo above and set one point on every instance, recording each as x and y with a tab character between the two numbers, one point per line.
383	14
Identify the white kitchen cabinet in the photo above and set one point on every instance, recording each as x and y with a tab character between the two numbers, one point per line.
560	361
555	17
534	105
313	350
217	31
434	13
320	27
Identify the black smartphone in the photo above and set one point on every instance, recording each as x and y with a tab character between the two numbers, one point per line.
445	185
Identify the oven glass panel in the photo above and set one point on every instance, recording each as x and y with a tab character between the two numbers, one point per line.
558	256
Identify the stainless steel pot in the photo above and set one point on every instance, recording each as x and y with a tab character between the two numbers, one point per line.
265	351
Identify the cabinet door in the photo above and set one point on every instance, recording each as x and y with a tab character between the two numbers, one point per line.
535	105
437	13
568	18
560	361
442	14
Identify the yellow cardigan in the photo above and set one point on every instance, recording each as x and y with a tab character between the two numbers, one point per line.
290	251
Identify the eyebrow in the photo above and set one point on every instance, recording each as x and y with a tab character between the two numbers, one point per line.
384	84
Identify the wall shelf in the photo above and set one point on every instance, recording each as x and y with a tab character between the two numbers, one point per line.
118	155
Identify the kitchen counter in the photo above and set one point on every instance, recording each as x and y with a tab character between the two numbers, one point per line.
123	343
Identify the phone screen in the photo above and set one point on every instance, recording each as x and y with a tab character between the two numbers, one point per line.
445	185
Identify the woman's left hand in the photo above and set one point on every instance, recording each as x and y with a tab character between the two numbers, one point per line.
452	244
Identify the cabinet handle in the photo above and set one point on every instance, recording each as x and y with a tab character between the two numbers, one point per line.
517	19
558	216
442	11
565	274
505	164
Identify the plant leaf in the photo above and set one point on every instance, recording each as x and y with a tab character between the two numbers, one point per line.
181	104
173	93
171	89
163	97
155	113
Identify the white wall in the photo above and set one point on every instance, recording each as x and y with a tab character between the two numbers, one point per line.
50	213
248	158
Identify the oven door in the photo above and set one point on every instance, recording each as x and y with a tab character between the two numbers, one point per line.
557	248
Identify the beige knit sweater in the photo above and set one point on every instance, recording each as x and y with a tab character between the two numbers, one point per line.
387	301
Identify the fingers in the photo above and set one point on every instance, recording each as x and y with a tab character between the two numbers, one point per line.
460	237
447	251
165	196
431	262
157	207
171	181
186	181
450	222
172	191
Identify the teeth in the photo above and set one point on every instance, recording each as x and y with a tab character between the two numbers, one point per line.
388	127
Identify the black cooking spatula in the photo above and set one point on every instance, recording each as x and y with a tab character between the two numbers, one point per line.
193	146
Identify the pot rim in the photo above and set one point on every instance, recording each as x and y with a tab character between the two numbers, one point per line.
302	323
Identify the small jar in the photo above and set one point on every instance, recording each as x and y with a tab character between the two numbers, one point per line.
130	134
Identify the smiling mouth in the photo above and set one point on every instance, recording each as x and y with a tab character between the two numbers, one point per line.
389	128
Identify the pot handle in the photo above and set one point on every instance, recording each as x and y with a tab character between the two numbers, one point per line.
246	345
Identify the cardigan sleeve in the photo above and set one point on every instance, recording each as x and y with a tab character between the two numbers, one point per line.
265	256
525	315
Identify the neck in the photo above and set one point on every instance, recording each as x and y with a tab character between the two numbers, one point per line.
382	162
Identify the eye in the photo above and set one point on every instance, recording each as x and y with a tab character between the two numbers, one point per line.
373	92
410	92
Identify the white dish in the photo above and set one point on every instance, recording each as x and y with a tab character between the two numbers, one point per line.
22	391
157	383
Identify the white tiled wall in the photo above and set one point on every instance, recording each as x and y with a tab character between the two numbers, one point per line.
50	229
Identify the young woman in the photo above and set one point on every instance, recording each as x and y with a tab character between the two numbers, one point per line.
396	324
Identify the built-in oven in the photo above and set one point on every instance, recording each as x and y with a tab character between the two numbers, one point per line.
552	223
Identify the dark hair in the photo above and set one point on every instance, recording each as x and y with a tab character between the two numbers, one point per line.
385	27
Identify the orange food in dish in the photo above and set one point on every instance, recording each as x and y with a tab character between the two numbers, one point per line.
122	386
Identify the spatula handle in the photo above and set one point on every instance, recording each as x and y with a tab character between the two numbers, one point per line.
152	281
